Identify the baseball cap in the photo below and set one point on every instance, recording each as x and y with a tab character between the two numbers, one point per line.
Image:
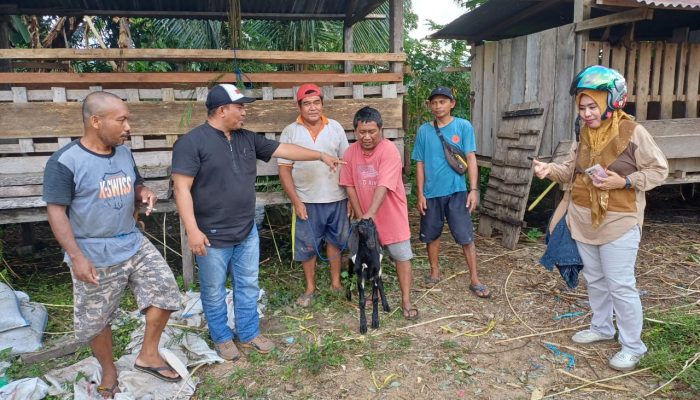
308	89
441	91
225	93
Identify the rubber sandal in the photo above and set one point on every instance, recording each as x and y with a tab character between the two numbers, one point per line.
480	290
108	392
305	299
409	314
430	281
155	371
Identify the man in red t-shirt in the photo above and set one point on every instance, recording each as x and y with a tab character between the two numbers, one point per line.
375	189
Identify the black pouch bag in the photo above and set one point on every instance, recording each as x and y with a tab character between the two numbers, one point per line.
454	155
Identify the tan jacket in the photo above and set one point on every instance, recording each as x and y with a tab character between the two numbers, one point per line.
646	167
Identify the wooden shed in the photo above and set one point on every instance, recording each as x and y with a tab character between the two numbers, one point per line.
525	55
40	111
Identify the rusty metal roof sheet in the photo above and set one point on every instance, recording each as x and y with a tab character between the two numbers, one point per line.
213	9
673	4
502	19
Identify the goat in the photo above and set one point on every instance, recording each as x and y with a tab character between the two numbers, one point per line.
365	262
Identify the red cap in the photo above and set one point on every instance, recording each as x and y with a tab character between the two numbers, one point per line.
308	89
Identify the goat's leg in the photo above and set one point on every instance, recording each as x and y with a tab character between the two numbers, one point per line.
351	270
385	304
361	295
375	305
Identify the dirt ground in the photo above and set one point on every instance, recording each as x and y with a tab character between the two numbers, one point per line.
462	347
467	348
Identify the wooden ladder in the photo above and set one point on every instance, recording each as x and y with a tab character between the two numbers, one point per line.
504	204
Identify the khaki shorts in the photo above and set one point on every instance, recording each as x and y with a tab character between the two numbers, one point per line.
146	273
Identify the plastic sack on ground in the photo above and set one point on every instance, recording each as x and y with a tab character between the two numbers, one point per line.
28	338
10	317
25	389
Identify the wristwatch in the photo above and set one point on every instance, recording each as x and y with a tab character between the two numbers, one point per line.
628	183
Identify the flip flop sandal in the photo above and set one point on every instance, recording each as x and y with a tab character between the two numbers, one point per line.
108	392
155	371
430	281
305	299
411	314
480	291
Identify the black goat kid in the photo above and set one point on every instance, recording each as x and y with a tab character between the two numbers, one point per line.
365	262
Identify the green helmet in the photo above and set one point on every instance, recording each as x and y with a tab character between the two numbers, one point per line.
597	77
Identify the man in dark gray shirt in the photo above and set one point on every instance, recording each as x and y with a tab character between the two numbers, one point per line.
90	187
214	175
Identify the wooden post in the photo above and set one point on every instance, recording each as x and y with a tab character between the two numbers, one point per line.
348	47
582	11
5	64
396	31
234	20
187	258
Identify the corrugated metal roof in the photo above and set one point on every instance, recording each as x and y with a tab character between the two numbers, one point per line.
673	4
502	19
335	9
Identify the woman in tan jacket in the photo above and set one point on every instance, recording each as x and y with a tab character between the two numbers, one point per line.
616	162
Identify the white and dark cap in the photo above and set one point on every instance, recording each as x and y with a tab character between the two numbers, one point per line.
441	91
225	93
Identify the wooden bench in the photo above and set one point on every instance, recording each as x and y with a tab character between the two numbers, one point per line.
37	122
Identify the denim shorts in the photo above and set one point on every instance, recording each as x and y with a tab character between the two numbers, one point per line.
454	209
326	222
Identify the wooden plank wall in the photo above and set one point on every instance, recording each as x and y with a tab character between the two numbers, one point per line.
663	83
536	67
36	123
663	78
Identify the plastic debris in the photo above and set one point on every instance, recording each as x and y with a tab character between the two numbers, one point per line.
568	315
557	352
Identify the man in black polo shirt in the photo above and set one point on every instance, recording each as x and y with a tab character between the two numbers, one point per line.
214	185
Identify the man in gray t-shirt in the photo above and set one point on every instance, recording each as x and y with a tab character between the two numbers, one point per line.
91	187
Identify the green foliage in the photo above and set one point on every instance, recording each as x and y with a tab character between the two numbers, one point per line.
19	33
428	59
316	357
534	234
671	343
470	4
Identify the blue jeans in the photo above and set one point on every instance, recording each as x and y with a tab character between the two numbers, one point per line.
241	263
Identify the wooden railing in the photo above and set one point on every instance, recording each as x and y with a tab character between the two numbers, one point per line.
193	79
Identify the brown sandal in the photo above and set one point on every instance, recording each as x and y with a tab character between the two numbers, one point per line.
411	314
108	392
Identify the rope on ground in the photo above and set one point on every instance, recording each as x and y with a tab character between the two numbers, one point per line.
272	233
595	383
505	288
542	333
164	245
57	305
461	273
621	388
186	381
385	381
470	333
403	328
689	363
